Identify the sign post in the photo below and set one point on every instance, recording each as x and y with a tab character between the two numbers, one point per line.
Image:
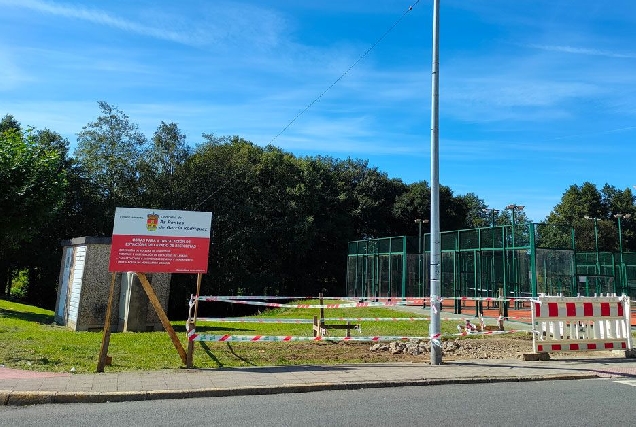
191	324
157	241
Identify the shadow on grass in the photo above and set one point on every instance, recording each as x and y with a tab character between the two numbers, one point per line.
208	351
46	319
229	346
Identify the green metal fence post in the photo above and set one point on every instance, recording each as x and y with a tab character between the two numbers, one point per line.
574	284
404	267
622	269
533	261
504	263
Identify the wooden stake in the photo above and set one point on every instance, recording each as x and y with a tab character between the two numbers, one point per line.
162	315
103	351
192	324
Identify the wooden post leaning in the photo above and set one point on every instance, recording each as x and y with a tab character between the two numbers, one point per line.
162	315
103	351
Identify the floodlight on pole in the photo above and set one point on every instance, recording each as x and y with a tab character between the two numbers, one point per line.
493	212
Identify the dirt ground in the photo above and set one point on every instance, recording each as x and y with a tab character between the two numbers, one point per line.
416	352
461	349
487	347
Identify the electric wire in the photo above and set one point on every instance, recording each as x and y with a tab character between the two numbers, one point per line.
395	24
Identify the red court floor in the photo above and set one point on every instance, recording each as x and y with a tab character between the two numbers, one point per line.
520	312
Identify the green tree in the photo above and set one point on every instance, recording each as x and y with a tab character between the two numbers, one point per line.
414	203
108	153
600	208
576	203
9	122
478	214
34	181
368	196
621	203
159	167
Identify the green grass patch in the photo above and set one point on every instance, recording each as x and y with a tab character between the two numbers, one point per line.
367	328
29	339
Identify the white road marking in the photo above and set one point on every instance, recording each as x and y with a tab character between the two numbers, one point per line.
627	382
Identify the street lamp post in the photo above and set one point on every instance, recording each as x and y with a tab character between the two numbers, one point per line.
420	252
493	212
435	330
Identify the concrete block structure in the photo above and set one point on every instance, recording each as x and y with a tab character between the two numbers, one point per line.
84	285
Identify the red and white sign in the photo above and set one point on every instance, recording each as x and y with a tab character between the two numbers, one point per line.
153	241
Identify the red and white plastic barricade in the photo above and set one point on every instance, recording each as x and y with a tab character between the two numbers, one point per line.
581	324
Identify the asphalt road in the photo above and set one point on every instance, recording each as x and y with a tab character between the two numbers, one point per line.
597	402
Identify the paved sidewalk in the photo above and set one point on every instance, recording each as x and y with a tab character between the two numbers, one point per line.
26	388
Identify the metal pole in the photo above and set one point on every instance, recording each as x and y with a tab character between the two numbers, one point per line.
622	270
515	275
620	236
419	261
598	263
436	247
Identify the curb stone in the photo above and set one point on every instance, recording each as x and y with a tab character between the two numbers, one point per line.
20	398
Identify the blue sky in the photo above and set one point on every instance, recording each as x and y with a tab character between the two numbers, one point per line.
535	95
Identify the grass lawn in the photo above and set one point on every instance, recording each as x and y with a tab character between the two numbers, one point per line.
29	339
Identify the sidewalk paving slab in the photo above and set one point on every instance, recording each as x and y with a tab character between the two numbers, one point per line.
28	387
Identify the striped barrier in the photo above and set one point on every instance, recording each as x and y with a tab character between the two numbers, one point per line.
343	305
327	319
581	324
193	336
251	297
252	320
359	302
310	306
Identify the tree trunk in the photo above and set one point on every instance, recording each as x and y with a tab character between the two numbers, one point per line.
5	279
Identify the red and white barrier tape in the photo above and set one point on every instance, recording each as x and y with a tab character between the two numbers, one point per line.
303	306
193	336
326	319
288	338
252	297
252	320
362	300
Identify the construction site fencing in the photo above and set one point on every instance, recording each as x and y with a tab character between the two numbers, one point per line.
524	260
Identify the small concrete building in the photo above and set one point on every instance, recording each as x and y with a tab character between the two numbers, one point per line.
84	284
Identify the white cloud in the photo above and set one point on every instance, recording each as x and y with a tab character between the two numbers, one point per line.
582	51
11	75
226	22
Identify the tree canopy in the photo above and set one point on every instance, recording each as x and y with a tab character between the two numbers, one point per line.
595	213
33	184
281	222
